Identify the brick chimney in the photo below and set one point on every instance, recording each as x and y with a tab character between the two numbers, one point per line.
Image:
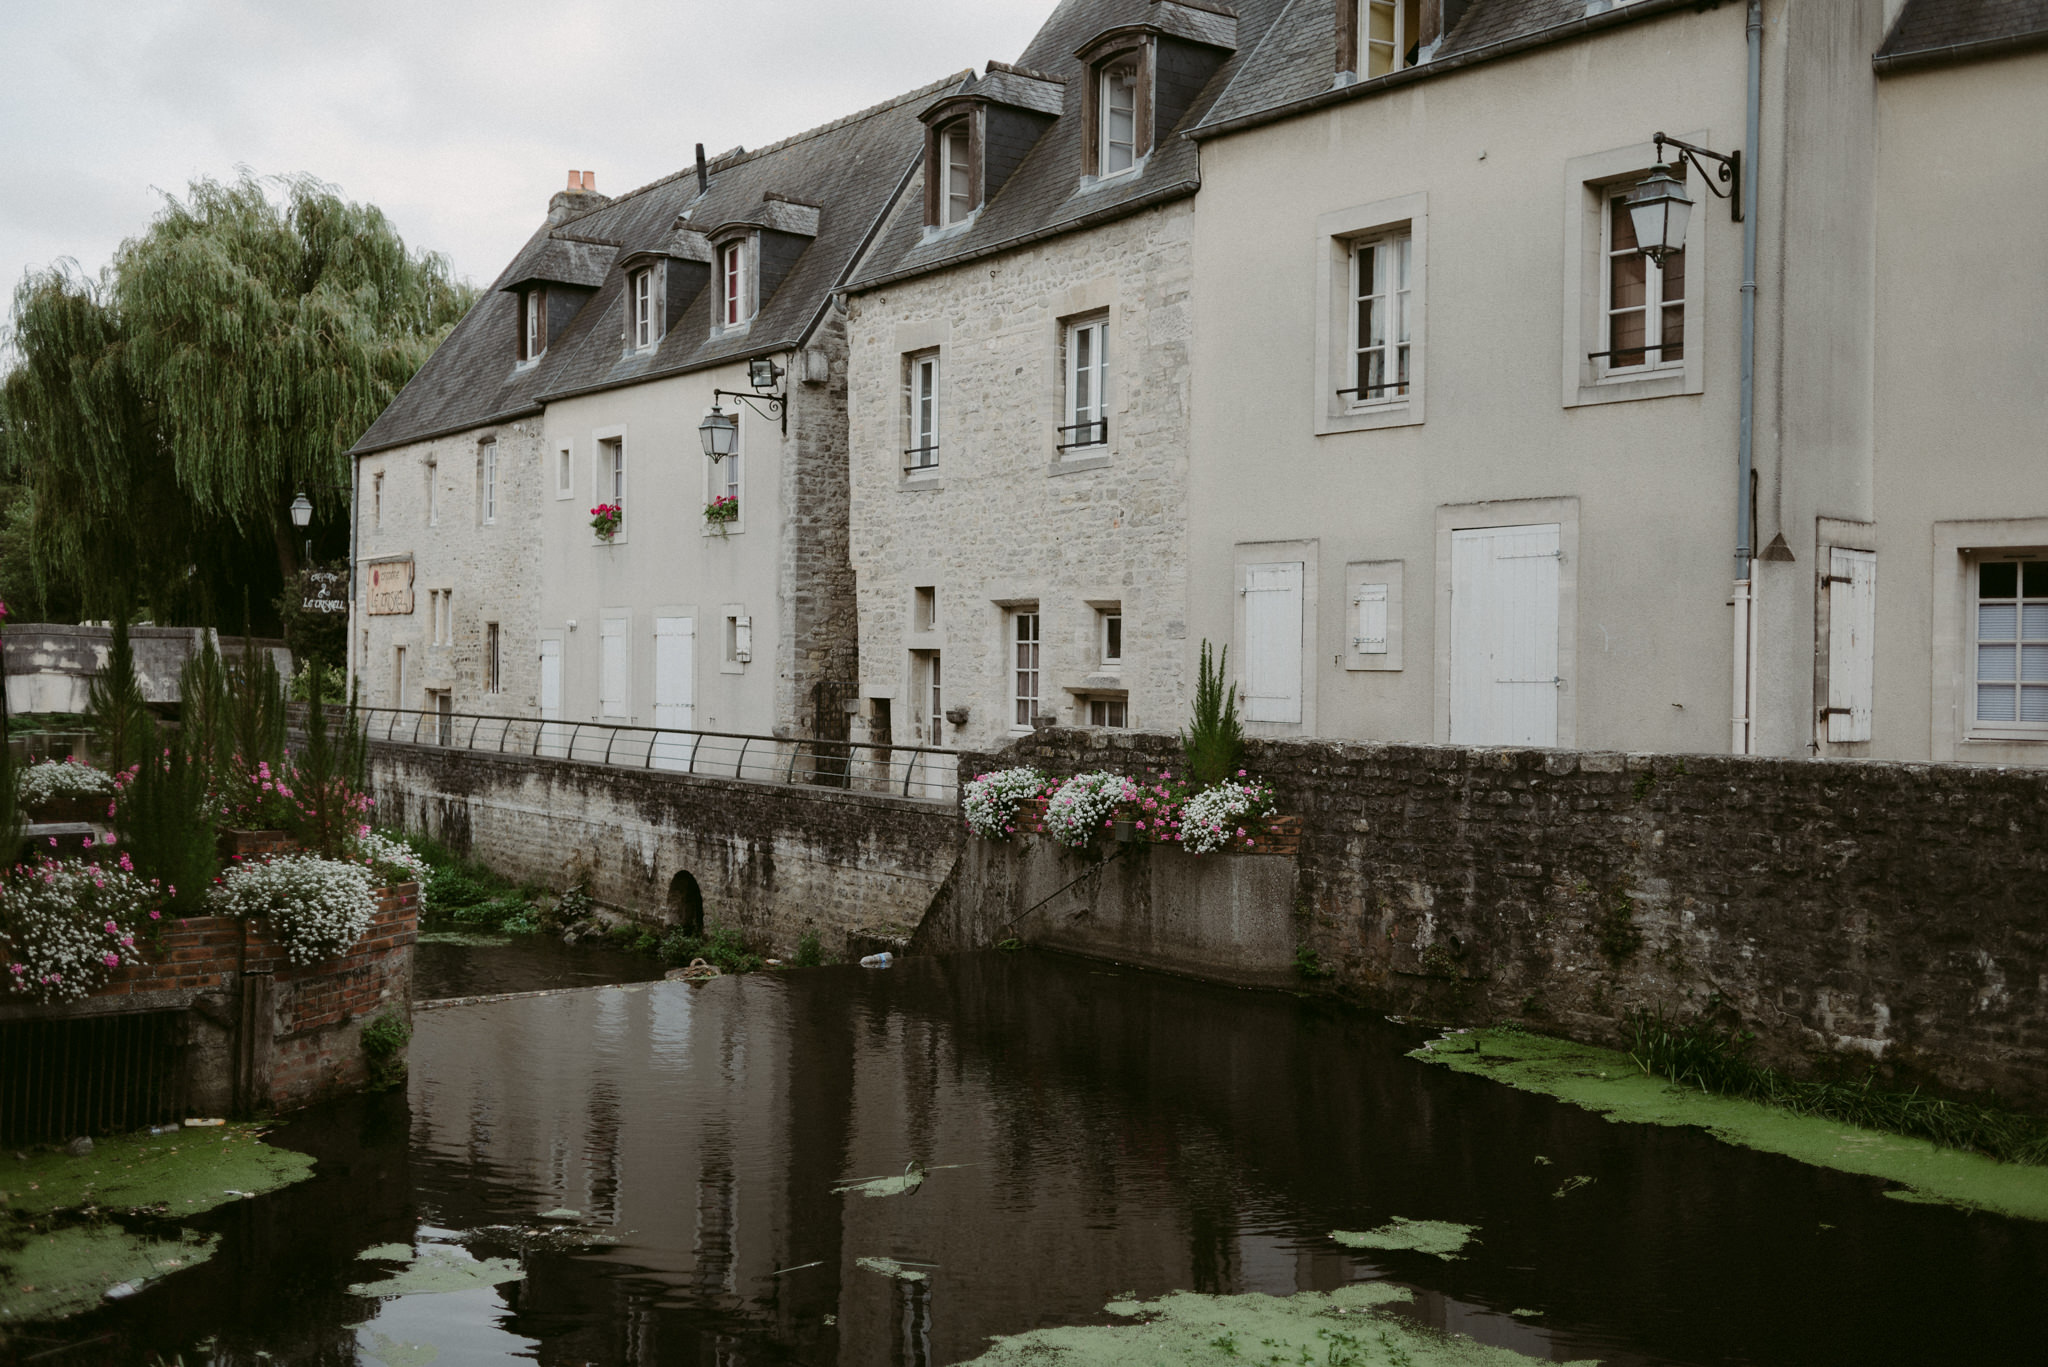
581	197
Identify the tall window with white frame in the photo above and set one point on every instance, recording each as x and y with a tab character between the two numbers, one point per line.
1118	151
921	412
931	699
2012	644
725	474
955	150
1087	367
1024	668
492	677
534	337
1388	31
1644	303
488	482
646	320
565	477
736	308
1382	294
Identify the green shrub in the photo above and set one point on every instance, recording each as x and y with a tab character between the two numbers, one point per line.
384	1041
809	952
1214	741
491	914
719	946
122	725
166	824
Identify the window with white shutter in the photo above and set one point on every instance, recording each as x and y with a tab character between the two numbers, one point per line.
1852	638
613	660
1504	676
1271	671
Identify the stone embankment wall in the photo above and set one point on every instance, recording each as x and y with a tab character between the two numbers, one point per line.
1850	913
262	1033
772	861
50	666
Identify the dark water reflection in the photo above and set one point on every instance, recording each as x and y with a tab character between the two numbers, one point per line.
1113	1131
449	967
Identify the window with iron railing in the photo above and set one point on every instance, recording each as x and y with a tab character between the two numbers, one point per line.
921	413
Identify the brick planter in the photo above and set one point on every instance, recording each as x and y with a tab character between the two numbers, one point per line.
235	844
72	809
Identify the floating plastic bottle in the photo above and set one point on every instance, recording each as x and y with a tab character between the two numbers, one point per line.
882	960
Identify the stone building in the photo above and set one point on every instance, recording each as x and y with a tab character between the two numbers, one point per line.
1454	432
1022	382
721	599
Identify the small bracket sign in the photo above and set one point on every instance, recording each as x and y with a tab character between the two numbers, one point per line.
326	591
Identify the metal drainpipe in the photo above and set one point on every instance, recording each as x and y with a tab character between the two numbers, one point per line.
355	471
1744	739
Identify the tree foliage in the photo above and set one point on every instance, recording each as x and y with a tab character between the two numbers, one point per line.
123	727
164	415
1214	740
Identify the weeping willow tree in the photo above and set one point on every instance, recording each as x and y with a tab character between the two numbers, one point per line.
163	416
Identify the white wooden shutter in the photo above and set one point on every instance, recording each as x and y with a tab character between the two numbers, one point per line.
1370	635
1504	612
612	659
675	696
1272	642
551	732
1852	640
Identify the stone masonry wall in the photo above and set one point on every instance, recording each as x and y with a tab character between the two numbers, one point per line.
774	862
1851	913
1007	521
492	571
823	636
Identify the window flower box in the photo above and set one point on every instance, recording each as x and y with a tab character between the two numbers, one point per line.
606	519
722	512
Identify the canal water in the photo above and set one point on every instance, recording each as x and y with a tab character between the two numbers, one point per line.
646	1175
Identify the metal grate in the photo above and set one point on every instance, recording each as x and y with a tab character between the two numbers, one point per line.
101	1075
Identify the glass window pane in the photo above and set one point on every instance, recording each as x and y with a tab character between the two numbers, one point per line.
1627	290
1626	338
2036	572
1674	277
1996	662
1674	333
1998	579
1995	702
1997	621
2034	664
1624	226
2034	704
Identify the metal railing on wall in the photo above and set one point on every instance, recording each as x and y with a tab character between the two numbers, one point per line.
914	771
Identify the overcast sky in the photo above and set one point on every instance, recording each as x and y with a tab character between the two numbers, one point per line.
457	117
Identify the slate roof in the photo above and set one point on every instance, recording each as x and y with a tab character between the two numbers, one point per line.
1044	195
1930	31
1294	68
853	168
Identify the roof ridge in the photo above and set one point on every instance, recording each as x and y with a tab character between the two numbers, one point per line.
857	117
1015	70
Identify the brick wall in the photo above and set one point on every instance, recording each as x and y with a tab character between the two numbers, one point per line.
774	862
1851	913
303	1022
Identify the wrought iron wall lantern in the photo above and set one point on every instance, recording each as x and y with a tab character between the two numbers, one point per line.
1659	207
721	430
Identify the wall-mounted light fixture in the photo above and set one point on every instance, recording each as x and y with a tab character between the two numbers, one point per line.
302	518
1659	207
720	430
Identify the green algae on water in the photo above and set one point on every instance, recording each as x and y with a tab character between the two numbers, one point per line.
60	1255
1610	1084
1438	1237
889	1267
438	1268
1349	1327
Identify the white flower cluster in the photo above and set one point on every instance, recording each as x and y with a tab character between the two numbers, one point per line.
318	908
52	779
390	858
68	925
1083	805
1215	816
990	802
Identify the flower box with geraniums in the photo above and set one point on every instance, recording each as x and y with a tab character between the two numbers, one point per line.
1087	805
67	925
606	519
992	803
722	512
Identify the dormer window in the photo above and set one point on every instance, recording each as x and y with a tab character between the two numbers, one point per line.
1119	121
644	302
735	297
1384	37
956	160
533	324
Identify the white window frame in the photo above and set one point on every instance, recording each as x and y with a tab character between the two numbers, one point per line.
606	484
489	482
1109	637
928	681
1086	384
1338	237
923	391
1959	548
735	285
727	477
1394	292
565	470
1403	40
536	340
1588	182
1107	80
645	323
956	167
1111	705
1653	307
2028	637
1024	664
